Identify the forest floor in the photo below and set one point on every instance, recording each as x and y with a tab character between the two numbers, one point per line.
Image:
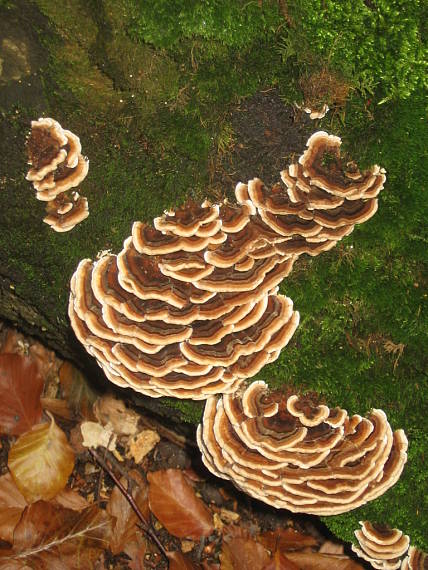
198	521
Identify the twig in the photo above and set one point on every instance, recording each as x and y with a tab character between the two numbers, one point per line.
145	525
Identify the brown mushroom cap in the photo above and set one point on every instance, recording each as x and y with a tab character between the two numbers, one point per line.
190	307
383	547
57	166
293	453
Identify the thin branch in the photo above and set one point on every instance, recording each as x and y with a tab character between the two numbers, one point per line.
145	525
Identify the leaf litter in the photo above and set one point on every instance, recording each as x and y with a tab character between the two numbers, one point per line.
148	506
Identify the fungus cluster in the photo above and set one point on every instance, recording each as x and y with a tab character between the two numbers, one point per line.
293	453
388	549
189	307
57	166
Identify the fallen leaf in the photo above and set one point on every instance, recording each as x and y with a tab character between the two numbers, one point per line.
57	408
110	410
317	561
280	562
125	526
12	503
41	462
179	561
286	539
70	499
187	546
142	444
242	554
95	435
20	388
174	502
51	537
77	391
330	547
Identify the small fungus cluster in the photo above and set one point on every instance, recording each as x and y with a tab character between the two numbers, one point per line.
293	453
57	166
388	549
189	307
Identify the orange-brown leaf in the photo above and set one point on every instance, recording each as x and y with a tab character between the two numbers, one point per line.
317	561
51	537
286	539
20	390
174	502
179	561
125	526
280	562
242	554
41	462
12	503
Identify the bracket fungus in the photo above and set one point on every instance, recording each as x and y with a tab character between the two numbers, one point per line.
57	166
388	549
383	547
189	307
292	453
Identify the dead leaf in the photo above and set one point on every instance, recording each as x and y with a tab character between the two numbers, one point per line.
125	525
330	547
95	435
317	561
142	444
77	391
51	537
57	408
20	388
280	562
179	561
12	503
243	553
41	462
110	410
174	502
286	539
70	499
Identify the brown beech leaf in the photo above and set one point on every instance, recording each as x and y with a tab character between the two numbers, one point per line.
280	562
78	393
317	561
20	389
179	561
41	461
70	499
125	526
286	539
242	554
174	502
12	503
49	537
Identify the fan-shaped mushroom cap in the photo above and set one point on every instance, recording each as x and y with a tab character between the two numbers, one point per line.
383	547
64	213
189	307
415	560
294	453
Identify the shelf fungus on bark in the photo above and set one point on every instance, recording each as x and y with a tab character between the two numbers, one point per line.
388	549
293	453
190	307
57	166
383	547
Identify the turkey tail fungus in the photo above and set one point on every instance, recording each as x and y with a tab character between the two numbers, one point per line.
189	307
57	166
291	452
388	549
